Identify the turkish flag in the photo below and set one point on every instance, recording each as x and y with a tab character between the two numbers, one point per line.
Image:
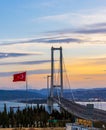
19	77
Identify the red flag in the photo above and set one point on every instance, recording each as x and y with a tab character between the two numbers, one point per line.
19	77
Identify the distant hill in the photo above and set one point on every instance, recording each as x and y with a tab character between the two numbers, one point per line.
86	94
18	95
78	94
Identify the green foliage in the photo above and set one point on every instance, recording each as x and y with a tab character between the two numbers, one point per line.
33	117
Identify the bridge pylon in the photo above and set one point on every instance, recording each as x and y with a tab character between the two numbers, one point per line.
53	84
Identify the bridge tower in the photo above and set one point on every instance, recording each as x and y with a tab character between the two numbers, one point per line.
53	85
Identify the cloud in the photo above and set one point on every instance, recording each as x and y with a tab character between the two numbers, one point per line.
88	29
23	41
77	18
66	36
29	72
48	39
101	24
17	41
65	40
26	62
92	31
94	28
52	18
92	21
40	71
8	55
96	61
90	76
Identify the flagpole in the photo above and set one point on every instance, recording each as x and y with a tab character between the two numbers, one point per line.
26	90
22	77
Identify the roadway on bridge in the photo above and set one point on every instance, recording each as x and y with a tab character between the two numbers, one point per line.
81	110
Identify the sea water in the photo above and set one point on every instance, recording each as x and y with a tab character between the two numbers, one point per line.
98	105
15	105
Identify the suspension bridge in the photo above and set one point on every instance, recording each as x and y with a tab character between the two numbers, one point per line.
85	112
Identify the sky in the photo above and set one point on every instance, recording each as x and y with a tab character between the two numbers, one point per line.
28	30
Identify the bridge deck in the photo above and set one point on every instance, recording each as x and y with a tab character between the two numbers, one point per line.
81	110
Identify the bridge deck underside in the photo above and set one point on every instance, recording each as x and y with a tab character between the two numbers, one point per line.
81	110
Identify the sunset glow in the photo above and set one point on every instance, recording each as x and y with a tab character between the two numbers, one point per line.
28	30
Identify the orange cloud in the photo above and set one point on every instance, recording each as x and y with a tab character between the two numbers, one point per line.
86	73
87	66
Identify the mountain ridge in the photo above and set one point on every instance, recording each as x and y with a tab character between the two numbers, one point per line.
77	94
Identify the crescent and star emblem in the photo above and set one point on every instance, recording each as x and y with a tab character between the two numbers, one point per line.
21	76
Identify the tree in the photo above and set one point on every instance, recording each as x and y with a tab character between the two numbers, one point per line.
4	117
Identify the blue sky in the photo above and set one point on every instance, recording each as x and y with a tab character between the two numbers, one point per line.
24	18
28	29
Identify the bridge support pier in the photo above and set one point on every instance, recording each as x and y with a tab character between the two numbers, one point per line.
50	104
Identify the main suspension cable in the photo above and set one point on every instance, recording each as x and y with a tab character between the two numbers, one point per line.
68	81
